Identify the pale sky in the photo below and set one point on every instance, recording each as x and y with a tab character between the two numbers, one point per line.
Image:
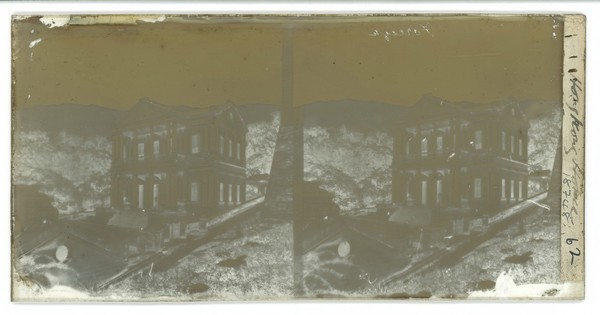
198	63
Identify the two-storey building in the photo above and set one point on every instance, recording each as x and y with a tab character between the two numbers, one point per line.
179	159
466	157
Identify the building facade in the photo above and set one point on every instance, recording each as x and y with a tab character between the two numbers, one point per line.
461	156
179	159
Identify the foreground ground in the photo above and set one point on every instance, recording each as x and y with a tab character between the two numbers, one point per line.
525	253
254	262
249	263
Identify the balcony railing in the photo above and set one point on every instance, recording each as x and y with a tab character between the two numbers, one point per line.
447	155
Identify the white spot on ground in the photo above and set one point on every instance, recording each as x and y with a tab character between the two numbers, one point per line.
35	42
506	288
55	20
153	19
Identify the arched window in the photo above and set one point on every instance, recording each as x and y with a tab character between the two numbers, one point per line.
439	144
439	190
195	143
520	146
477	188
221	192
194	191
424	146
512	144
520	194
154	187
409	189
155	194
222	145
140	150
424	188
126	182
512	189
141	195
156	148
124	150
478	140
181	188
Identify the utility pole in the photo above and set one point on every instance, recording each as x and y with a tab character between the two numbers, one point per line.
284	197
295	117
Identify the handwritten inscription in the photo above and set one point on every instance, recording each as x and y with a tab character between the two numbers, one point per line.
571	207
571	241
572	157
572	106
416	31
573	178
